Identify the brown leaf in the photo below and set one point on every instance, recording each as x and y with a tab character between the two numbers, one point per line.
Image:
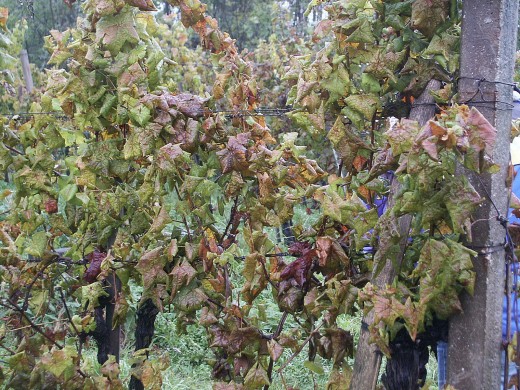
188	104
482	134
514	231
233	157
143	5
207	317
95	258
182	274
290	297
427	15
275	349
332	258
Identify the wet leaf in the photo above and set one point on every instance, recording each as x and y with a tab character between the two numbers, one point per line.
233	156
427	15
95	259
143	5
256	377
115	30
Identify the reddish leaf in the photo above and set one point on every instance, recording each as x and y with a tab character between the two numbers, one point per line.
482	134
322	29
95	258
51	206
242	364
300	269
234	341
299	248
143	5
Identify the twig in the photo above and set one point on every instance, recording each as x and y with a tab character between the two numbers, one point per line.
13	150
300	348
6	212
31	323
231	218
41	324
7	348
275	336
66	308
30	286
183	217
228	291
267	274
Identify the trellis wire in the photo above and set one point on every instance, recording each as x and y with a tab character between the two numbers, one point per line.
262	111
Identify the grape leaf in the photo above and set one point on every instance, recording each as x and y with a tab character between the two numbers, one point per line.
114	31
256	377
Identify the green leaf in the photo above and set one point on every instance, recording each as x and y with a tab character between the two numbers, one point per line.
68	192
140	114
37	244
363	34
346	141
427	15
337	83
60	362
369	83
151	267
364	104
109	102
461	201
115	30
132	148
256	377
315	367
90	295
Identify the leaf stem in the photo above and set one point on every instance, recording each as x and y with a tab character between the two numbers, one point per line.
31	323
311	335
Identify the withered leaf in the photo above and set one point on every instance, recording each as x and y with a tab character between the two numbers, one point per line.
188	104
233	156
95	258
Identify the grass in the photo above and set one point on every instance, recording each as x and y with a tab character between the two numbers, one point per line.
189	354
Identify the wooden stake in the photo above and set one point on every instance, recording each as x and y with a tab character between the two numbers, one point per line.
368	357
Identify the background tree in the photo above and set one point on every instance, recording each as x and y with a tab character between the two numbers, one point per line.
41	17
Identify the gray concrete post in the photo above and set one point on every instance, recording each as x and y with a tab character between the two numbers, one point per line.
487	52
26	69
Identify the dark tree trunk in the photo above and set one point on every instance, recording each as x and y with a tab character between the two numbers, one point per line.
406	370
144	331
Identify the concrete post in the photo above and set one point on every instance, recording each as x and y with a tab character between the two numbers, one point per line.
487	52
26	69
